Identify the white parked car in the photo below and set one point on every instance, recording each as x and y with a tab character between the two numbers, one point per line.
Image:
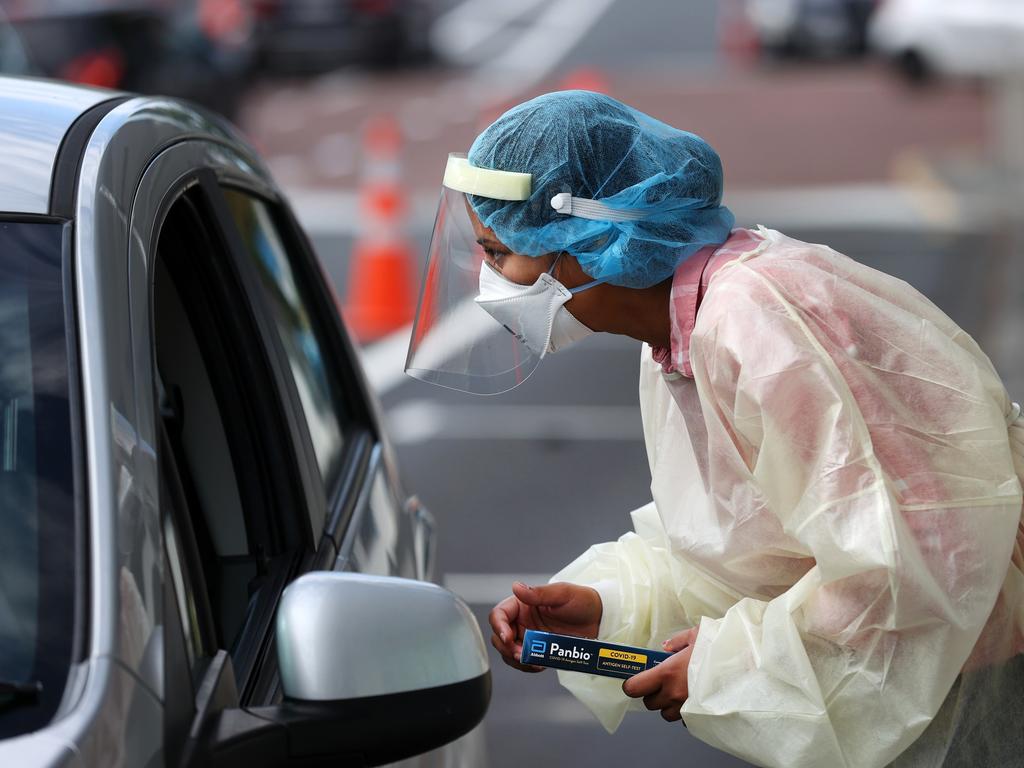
952	37
810	28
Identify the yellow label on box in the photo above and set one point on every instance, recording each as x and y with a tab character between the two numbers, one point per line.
609	653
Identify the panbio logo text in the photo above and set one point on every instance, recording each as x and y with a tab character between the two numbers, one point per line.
569	653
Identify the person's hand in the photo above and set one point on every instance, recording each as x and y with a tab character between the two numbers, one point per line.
566	609
666	686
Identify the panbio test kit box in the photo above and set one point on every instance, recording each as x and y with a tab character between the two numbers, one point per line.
593	657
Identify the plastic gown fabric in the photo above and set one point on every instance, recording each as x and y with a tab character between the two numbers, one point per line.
591	146
837	504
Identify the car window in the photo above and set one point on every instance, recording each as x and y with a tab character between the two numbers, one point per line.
303	342
228	482
37	512
195	422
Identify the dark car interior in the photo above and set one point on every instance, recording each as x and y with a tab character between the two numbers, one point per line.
232	497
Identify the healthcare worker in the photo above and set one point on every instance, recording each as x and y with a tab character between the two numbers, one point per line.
834	548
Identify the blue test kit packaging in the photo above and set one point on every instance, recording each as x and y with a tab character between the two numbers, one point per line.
593	657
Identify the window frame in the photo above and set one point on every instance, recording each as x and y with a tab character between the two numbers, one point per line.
262	683
358	420
255	636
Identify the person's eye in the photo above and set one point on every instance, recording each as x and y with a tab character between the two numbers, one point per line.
493	257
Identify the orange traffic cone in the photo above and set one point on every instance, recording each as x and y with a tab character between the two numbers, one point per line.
737	37
381	295
586	79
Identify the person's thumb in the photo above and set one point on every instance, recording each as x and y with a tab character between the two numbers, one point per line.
545	595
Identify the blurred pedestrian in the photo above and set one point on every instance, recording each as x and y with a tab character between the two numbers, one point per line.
834	547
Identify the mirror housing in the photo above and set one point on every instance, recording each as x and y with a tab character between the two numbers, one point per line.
374	670
344	636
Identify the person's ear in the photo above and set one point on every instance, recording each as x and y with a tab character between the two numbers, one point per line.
569	272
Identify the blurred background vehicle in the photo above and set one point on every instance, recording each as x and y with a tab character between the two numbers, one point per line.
201	50
826	29
954	37
310	36
13	58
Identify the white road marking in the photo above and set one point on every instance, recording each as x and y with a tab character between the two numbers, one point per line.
421	421
489	588
384	361
519	64
461	31
461	328
537	51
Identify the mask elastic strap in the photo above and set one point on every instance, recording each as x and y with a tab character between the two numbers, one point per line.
579	288
584	287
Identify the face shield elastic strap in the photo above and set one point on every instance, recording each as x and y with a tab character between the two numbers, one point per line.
595	210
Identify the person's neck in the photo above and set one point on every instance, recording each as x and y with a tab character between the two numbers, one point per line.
643	313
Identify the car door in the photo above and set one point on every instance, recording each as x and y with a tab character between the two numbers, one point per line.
377	530
236	490
269	454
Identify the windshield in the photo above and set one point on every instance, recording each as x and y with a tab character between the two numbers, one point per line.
37	515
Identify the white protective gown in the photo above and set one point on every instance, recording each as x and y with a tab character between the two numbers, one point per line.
837	504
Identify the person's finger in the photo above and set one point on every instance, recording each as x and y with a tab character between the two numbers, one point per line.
660	699
643	684
522	667
680	641
672	713
503	616
507	650
511	653
548	595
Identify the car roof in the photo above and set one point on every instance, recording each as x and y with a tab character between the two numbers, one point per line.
34	117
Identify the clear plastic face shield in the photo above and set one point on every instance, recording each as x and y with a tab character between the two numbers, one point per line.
456	341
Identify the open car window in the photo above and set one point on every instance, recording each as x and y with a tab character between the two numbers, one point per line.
302	340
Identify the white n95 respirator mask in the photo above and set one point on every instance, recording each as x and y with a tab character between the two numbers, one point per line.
534	314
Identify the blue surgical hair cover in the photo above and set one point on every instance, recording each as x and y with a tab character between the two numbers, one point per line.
595	147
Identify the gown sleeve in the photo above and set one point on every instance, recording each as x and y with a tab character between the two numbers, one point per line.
848	665
647	595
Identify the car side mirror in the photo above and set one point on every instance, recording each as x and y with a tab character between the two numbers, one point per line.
373	669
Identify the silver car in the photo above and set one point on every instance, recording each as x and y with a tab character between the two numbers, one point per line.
206	556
